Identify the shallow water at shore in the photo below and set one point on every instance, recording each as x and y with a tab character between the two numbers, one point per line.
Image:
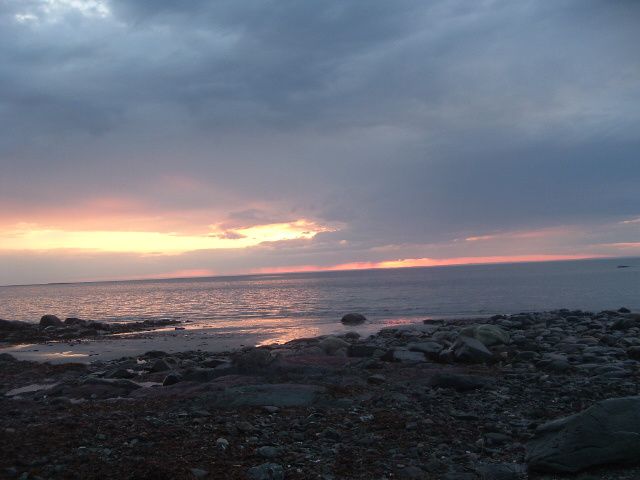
229	312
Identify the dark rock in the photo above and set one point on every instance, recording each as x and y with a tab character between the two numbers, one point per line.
5	357
252	359
634	352
160	366
606	433
470	350
376	379
121	373
502	471
353	319
362	351
9	325
50	321
458	382
624	310
200	375
155	354
411	473
171	379
266	471
75	322
278	395
624	323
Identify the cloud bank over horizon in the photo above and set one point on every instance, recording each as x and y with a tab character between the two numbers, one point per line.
156	138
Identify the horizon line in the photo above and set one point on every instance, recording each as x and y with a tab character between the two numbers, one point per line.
320	270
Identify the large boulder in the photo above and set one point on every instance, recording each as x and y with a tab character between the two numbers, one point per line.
50	321
330	345
470	350
489	335
353	319
607	432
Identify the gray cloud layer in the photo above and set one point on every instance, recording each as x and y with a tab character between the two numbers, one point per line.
411	122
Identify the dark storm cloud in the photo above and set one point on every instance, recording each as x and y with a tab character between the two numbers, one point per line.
406	121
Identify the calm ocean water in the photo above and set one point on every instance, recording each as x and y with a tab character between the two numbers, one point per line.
309	302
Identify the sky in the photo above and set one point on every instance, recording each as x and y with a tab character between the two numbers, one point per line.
157	138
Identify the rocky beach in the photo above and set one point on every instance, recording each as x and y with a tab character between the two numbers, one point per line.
540	395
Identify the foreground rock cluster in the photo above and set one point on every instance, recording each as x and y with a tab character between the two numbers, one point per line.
535	395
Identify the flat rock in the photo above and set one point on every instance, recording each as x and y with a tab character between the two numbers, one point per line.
430	349
278	395
606	433
458	382
470	350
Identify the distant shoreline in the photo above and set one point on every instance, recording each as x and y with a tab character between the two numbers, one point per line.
314	272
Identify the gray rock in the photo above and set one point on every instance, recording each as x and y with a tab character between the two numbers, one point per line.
266	471
470	350
607	432
361	351
331	345
268	452
489	335
353	319
199	473
50	321
430	349
405	356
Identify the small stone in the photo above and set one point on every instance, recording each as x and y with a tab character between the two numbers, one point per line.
266	471
222	443
244	427
199	473
268	452
377	379
411	473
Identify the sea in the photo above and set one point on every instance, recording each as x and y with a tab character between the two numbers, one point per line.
286	306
